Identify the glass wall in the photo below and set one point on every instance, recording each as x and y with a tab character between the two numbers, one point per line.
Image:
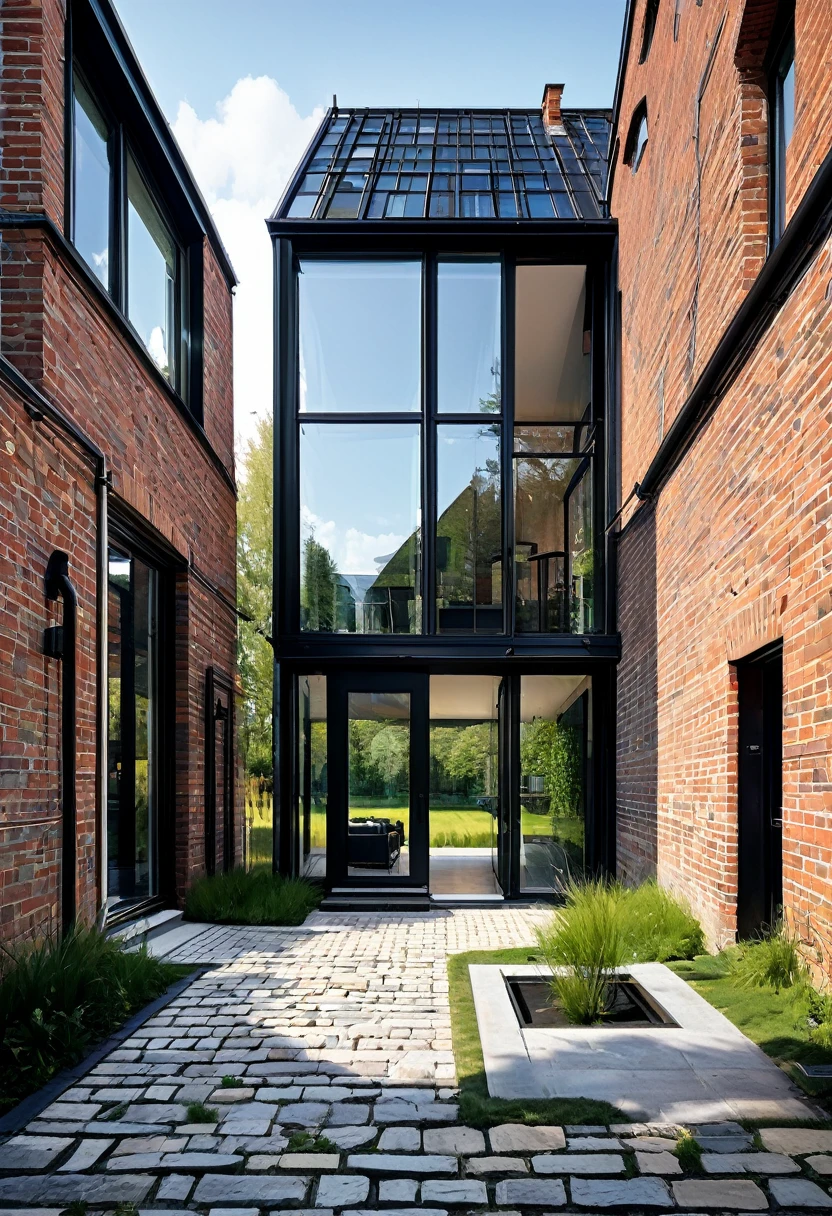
360	337
551	345
379	783
312	776
468	337
360	510
132	764
555	754
468	545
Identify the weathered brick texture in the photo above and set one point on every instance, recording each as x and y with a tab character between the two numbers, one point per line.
60	335
736	551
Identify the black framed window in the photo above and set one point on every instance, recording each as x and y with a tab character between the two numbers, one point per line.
118	223
637	137
781	125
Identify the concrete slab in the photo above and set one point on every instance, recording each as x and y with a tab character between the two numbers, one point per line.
703	1070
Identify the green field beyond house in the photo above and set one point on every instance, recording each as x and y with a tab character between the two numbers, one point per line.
456	827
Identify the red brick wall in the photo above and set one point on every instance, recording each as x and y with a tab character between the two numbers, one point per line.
737	544
57	331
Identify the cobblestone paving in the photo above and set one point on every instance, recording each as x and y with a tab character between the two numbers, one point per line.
321	1060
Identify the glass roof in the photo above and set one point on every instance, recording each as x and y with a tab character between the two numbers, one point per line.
453	164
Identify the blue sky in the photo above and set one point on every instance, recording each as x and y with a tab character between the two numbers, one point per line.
245	85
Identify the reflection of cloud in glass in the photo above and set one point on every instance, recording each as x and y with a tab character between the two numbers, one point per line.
156	346
353	551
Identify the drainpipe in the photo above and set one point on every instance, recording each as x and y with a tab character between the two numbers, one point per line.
62	646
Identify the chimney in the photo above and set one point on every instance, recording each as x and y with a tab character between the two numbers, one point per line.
552	94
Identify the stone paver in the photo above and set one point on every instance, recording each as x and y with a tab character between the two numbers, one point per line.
340	1029
744	1195
799	1193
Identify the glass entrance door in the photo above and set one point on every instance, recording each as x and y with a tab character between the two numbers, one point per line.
378	759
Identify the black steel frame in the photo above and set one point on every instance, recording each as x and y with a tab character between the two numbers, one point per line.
590	243
219	707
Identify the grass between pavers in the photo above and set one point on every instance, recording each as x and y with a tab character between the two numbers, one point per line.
776	1022
61	996
251	897
476	1107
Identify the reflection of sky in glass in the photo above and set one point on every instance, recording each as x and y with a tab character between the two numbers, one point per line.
462	450
360	491
468	338
150	271
788	104
91	201
360	336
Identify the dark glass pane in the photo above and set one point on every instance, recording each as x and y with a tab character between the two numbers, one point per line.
546	440
360	336
477	206
360	516
441	205
91	185
468	337
132	739
508	206
468	532
378	752
552	362
540	206
151	272
555	753
344	205
544	488
302	206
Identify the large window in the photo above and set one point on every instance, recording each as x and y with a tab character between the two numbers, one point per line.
377	434
360	520
118	226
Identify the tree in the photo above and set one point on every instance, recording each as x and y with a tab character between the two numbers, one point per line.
554	751
390	753
254	596
320	577
470	757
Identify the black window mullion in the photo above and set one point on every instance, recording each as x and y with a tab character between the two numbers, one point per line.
507	397
429	476
118	223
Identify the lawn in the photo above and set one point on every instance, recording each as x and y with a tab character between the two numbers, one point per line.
476	1108
776	1022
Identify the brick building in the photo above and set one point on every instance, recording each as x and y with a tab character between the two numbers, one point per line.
117	493
722	186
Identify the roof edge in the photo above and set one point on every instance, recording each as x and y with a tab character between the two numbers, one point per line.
626	39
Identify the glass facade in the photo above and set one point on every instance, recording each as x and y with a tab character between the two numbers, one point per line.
151	273
469	338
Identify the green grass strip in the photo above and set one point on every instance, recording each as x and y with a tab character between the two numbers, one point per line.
476	1107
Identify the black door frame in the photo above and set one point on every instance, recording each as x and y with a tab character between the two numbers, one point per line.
760	790
339	685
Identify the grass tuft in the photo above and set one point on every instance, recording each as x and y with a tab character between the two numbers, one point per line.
61	995
771	962
117	1112
657	926
231	1083
198	1112
251	897
688	1150
303	1142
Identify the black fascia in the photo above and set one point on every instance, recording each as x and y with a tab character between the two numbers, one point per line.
588	239
99	39
307	651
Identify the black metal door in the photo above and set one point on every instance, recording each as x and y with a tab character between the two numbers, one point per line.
760	792
378	760
501	828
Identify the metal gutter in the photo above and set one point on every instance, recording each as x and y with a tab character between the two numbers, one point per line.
809	227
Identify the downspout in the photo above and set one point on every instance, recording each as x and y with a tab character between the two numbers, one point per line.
58	585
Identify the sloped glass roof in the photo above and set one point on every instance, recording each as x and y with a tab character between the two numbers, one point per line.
453	164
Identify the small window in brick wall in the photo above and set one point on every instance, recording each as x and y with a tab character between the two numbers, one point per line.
651	14
637	136
781	121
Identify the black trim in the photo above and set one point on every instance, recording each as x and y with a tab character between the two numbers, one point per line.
216	684
806	233
11	221
58	585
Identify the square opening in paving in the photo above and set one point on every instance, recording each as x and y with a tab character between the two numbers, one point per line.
631	1005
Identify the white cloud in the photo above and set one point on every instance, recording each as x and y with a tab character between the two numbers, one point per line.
243	158
353	551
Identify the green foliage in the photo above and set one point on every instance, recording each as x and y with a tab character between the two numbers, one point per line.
254	597
657	926
819	1018
254	897
77	1207
198	1112
59	996
116	1113
318	585
554	751
303	1142
231	1083
390	754
689	1152
585	940
772	961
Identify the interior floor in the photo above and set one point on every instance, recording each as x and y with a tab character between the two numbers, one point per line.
462	872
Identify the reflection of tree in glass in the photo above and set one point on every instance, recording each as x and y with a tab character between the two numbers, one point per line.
493	403
554	751
463	758
320	575
390	752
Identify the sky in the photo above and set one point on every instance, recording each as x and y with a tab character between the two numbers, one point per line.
244	87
